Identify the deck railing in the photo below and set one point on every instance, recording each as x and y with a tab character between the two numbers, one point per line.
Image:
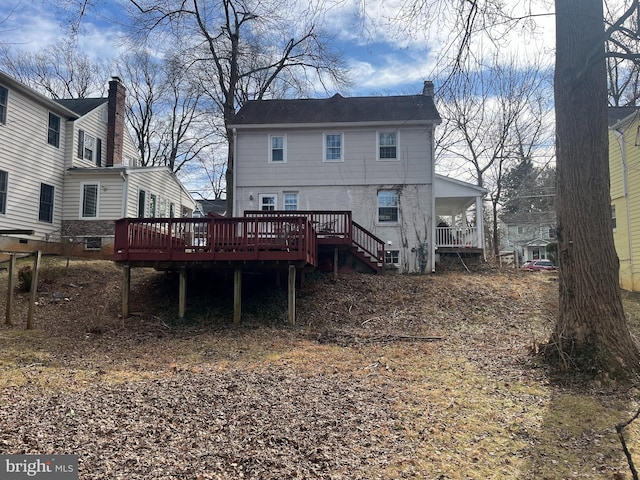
215	238
457	237
369	244
331	224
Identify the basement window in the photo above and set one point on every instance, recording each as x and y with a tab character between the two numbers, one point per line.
392	257
92	243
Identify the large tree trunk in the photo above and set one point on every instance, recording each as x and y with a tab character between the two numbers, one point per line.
591	334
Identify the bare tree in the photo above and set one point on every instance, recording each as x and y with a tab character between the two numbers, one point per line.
60	71
243	49
493	117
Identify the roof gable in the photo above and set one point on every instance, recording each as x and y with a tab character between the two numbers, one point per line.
338	109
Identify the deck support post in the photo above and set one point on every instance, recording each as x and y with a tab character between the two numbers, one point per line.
182	294
126	288
10	286
291	311
34	289
335	264
237	295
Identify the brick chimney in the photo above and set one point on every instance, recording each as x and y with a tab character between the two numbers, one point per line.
428	90
115	119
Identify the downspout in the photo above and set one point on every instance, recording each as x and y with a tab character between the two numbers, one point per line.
235	173
625	191
125	195
432	250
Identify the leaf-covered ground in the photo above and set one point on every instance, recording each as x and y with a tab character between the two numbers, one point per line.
383	377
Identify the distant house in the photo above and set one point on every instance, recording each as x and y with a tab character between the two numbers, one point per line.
531	236
69	169
624	168
206	207
372	156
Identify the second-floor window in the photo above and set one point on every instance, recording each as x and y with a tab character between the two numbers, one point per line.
89	148
333	147
45	212
277	151
387	145
90	200
53	132
4	182
613	216
4	101
388	204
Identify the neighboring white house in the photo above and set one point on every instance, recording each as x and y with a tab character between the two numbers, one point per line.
531	236
69	169
372	156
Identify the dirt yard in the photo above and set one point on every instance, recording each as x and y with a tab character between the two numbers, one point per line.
384	377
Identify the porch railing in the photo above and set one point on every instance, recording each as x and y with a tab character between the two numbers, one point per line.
457	237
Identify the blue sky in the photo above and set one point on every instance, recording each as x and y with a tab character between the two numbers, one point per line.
382	60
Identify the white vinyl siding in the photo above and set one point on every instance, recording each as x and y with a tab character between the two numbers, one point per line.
304	153
92	125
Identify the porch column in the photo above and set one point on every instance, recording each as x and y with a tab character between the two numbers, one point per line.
480	224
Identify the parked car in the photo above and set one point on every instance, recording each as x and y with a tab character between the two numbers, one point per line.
537	265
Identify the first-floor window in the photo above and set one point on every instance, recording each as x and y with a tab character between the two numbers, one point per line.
90	200
4	182
613	216
45	212
152	205
388	206
291	201
392	257
172	210
268	202
142	201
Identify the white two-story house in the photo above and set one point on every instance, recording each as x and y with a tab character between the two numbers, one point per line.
69	169
372	156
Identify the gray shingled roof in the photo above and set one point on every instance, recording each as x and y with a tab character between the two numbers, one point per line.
338	109
619	113
81	106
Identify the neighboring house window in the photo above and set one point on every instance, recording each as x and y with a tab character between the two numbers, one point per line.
333	147
291	201
388	145
613	216
142	201
89	148
277	152
53	133
520	230
268	202
551	233
388	206
4	176
92	243
4	102
152	205
45	212
392	257
90	200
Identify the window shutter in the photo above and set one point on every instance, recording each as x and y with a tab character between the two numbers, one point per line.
80	143
98	152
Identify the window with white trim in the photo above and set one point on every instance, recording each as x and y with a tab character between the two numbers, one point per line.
53	132
4	183
89	148
153	202
45	211
4	103
388	203
387	145
392	257
92	243
277	149
142	202
614	221
333	147
90	200
268	201
291	201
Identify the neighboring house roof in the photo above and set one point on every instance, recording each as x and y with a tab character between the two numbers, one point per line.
530	218
538	242
338	109
617	114
218	206
82	106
